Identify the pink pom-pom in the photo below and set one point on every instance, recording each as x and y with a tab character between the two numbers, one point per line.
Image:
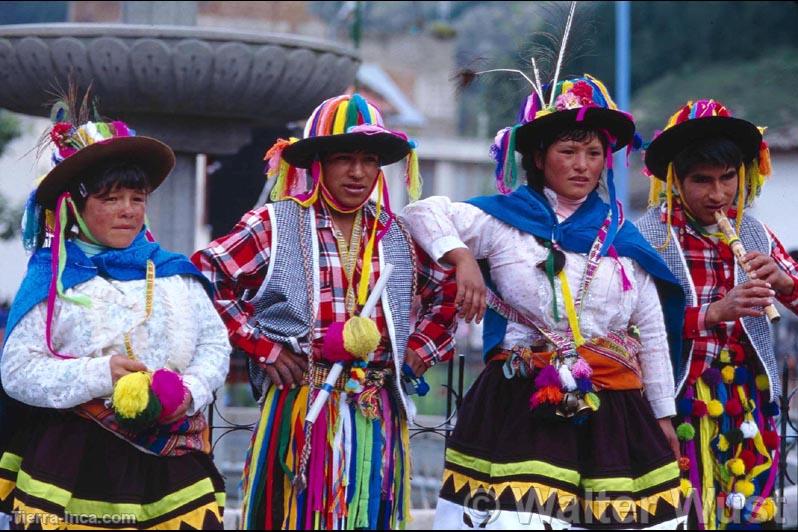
333	349
548	376
581	369
168	388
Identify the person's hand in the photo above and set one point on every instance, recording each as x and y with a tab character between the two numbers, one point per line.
763	267
180	413
471	291
670	436
288	369
746	299
122	365
415	362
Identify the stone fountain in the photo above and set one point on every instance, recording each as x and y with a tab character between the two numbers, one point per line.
200	90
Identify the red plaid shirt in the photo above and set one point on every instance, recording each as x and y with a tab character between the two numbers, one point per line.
711	264
238	262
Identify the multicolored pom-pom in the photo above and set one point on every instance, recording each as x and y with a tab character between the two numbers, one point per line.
168	387
333	349
592	401
749	459
135	405
711	377
766	512
685	432
735	501
699	409
736	467
771	439
734	407
749	429
715	408
745	487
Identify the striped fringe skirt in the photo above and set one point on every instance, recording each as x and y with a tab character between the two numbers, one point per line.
507	468
64	472
733	454
358	474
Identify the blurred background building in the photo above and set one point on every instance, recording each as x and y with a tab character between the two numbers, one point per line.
744	54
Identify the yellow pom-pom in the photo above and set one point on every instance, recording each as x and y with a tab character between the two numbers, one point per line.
686	487
723	443
361	336
736	467
767	511
725	356
745	487
715	408
132	394
762	383
728	374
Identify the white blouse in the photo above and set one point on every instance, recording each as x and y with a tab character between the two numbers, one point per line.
184	333
439	225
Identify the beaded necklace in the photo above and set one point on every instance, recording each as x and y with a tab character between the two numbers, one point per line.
349	254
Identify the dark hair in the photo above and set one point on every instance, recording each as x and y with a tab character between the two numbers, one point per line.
534	175
107	178
715	151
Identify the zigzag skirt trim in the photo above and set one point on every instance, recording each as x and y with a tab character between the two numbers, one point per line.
507	468
64	472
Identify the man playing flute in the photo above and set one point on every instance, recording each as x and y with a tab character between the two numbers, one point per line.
704	162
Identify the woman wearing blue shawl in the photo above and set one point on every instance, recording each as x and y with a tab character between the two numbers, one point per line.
569	423
112	351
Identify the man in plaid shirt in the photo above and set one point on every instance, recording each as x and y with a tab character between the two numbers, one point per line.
286	280
706	161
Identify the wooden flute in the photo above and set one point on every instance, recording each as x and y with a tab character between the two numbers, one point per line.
737	248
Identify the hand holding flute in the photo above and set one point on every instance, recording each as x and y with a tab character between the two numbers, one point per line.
752	264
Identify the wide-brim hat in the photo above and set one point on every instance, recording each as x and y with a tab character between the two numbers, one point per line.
389	147
674	139
153	156
344	123
618	124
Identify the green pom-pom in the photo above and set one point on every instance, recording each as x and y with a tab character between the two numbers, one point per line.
145	419
592	401
685	432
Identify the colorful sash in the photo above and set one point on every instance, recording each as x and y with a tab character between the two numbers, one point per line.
188	435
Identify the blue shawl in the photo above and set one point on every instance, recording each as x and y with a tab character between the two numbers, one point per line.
530	212
127	264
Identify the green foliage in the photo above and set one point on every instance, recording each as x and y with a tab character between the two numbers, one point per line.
757	90
9	128
9	219
9	216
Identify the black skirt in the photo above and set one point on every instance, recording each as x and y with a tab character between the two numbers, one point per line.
508	467
65	471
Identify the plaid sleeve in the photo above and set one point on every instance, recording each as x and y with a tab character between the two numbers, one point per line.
236	266
790	267
433	337
695	326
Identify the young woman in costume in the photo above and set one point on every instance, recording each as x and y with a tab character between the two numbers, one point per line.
569	423
113	349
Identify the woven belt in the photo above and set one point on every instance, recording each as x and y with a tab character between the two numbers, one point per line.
375	376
